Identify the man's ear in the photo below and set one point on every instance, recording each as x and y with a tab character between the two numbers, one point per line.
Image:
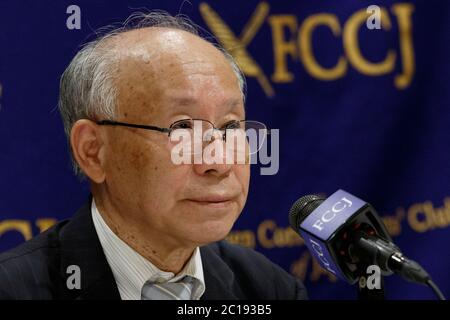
87	144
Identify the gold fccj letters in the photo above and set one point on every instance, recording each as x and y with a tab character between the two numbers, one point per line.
291	42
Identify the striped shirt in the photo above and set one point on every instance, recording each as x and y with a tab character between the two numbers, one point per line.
131	270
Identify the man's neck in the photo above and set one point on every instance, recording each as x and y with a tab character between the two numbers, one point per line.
154	247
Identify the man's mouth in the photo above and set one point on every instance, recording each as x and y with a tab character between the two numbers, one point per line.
212	201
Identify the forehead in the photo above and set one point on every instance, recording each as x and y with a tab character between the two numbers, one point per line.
174	69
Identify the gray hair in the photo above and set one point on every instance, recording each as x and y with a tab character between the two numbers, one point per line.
87	86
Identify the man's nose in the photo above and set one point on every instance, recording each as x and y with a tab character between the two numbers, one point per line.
214	161
214	134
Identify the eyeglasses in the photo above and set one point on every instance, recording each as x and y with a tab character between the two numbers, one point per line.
255	132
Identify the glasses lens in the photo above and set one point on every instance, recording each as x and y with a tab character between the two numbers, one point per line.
242	137
192	134
256	134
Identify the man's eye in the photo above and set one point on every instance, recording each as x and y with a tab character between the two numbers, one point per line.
183	124
232	125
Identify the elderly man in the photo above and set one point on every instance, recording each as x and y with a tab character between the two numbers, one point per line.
153	229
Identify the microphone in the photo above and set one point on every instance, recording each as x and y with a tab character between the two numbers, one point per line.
345	233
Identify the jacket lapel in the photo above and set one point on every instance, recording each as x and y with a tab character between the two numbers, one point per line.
219	278
80	246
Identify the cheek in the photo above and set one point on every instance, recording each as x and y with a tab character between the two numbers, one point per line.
124	159
242	173
243	176
143	171
128	165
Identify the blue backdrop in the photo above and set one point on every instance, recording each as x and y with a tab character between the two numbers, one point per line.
365	110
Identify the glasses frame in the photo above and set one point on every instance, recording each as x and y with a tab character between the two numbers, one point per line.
166	130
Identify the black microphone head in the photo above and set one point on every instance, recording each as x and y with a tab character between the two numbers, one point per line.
302	208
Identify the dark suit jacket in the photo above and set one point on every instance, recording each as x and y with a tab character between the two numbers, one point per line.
37	269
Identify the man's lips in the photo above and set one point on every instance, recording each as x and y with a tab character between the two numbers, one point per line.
212	200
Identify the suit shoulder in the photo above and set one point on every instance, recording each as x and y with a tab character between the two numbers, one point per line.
255	270
42	242
236	254
25	266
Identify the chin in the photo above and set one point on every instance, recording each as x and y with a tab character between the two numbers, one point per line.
211	232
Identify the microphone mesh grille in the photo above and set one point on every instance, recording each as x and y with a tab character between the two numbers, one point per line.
302	208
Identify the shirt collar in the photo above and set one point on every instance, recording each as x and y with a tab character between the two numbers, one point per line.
131	270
